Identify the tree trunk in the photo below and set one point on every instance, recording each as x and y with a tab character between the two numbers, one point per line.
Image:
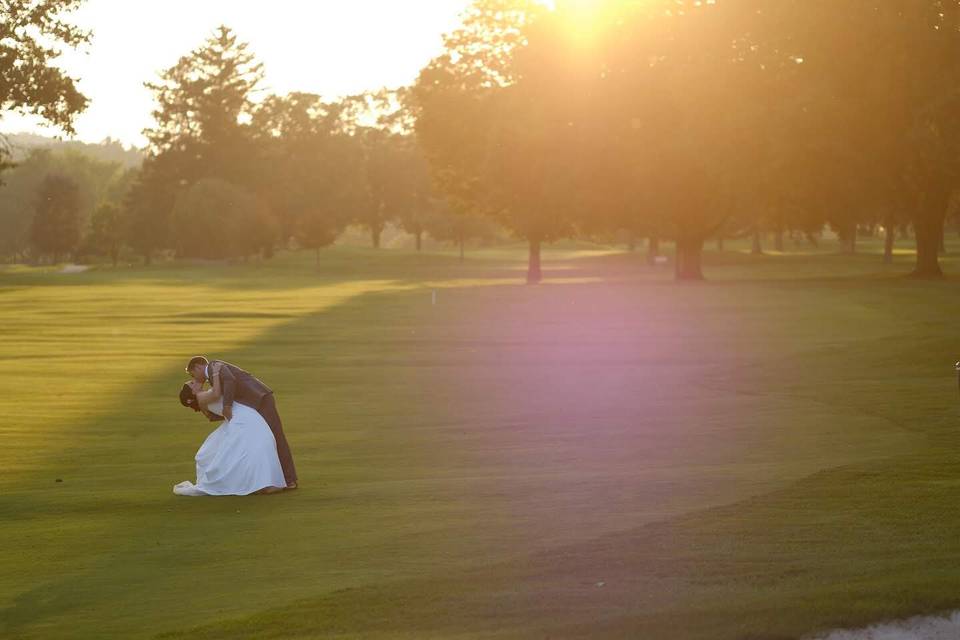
419	237
928	230
375	232
534	273
719	243
943	241
688	262
653	250
847	241
888	244
778	239
812	239
757	248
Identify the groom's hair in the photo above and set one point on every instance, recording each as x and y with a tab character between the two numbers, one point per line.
195	360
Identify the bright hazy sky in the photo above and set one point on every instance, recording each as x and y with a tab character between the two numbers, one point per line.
329	47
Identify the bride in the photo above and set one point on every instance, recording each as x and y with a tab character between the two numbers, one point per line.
239	457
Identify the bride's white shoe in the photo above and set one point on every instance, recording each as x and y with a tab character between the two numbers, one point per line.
186	488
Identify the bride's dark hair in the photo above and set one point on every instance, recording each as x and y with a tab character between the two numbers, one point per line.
188	398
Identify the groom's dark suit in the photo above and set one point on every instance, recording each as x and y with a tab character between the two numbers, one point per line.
238	385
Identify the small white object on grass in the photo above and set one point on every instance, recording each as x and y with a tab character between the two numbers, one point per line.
660	260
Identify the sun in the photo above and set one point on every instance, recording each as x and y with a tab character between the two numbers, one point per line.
583	20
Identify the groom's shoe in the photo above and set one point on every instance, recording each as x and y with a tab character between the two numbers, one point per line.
292	485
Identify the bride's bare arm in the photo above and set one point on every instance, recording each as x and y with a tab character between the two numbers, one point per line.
213	394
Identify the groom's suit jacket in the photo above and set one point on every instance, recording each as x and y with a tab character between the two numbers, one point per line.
239	385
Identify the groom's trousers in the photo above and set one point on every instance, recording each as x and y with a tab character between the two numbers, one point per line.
268	409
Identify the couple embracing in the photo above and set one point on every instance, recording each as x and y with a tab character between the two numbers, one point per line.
246	454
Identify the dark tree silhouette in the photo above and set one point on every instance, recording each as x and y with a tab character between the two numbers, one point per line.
56	221
106	231
203	104
32	35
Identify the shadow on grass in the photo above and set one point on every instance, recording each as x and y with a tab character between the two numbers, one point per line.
111	552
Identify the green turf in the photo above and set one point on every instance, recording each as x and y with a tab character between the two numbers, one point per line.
759	456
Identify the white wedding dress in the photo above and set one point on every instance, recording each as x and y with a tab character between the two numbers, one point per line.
237	459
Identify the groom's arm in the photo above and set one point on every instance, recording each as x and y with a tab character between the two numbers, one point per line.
211	416
228	385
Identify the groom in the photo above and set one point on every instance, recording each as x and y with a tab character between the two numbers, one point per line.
237	384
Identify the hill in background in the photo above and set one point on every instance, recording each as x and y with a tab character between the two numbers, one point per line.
109	150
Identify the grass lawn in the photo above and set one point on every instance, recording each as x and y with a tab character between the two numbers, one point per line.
609	455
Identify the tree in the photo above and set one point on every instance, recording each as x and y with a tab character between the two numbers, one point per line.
201	130
417	218
18	203
56	221
106	231
462	105
313	176
373	212
6	153
316	231
689	94
456	224
397	183
327	188
407	187
530	178
147	209
96	181
389	186
886	74
32	35
203	104
537	119
118	186
216	219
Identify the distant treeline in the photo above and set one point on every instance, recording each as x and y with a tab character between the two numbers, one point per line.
74	200
226	177
676	120
110	150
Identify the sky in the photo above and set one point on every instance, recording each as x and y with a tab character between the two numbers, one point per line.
328	47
